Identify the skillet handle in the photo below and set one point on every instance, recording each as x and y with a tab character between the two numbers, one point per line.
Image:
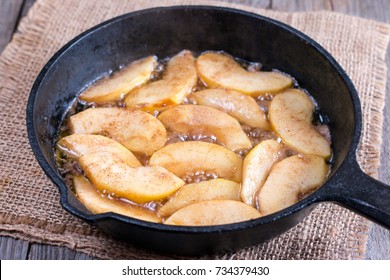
360	193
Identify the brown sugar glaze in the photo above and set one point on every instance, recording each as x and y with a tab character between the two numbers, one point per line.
70	168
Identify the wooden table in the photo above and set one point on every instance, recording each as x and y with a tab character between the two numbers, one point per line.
378	247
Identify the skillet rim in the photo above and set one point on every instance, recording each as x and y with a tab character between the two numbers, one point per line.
97	218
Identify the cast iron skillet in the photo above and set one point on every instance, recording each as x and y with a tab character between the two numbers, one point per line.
166	31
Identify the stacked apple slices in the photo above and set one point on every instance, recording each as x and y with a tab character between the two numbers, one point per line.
128	166
114	170
178	80
272	181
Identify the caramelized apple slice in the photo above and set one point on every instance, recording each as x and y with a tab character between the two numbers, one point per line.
115	87
206	190
178	80
240	106
289	179
256	167
221	70
141	184
98	204
290	115
77	145
189	157
213	212
136	130
200	120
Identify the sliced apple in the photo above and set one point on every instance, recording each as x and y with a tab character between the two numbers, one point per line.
213	212
115	87
256	167
221	70
216	189
136	130
77	145
240	106
189	157
289	179
141	184
199	120
97	204
290	115
178	80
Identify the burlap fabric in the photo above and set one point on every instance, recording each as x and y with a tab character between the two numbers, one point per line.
29	202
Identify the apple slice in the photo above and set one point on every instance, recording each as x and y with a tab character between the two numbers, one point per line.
178	80
213	212
290	114
256	167
136	130
221	70
289	179
115	87
240	106
97	204
141	184
215	189
77	145
189	157
203	120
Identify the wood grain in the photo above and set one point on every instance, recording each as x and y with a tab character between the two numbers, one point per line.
301	5
13	249
378	9
10	13
26	7
9	17
378	246
48	252
264	4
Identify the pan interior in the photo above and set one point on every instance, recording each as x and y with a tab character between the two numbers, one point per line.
164	32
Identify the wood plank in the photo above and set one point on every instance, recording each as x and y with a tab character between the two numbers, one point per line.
10	12
264	4
301	5
13	249
378	245
82	256
26	7
17	249
377	10
49	252
9	15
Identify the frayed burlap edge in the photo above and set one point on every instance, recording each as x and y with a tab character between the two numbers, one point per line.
30	30
369	158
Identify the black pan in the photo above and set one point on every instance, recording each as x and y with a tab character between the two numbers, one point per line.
166	31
